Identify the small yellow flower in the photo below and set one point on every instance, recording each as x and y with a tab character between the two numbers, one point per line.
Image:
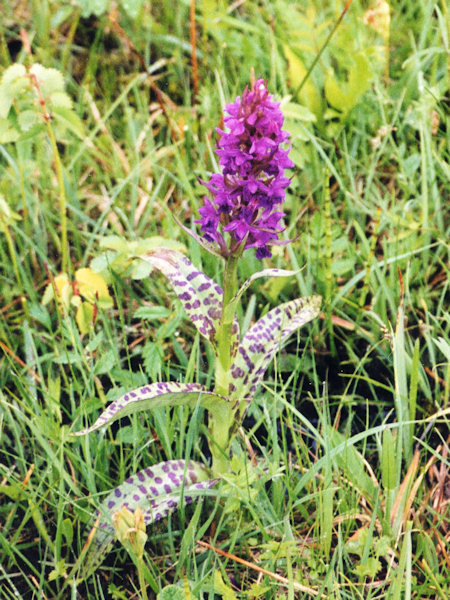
130	529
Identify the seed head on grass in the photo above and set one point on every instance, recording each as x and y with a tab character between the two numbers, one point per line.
252	186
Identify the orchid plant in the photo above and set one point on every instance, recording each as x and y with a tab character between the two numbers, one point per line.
243	213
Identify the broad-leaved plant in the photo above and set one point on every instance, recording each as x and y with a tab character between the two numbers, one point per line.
244	212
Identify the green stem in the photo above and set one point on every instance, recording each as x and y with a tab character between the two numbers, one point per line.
62	199
221	418
141	575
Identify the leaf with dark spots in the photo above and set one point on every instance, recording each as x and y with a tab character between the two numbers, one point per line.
200	295
156	490
263	340
153	396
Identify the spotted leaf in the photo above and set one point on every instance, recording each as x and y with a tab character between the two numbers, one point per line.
156	490
202	298
153	396
263	340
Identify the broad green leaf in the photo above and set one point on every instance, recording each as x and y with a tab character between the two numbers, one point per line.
156	490
297	71
60	100
7	132
171	592
28	118
13	81
345	95
369	569
201	296
264	339
297	112
153	396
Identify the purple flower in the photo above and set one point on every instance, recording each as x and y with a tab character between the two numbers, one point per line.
252	185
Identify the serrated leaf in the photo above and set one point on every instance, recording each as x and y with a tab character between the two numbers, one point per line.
153	396
28	118
171	592
61	100
7	132
292	110
263	340
49	80
155	490
153	355
105	363
12	82
201	296
369	569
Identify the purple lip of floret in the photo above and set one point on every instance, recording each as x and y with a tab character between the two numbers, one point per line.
252	183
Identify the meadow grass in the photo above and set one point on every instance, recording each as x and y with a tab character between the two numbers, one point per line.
340	474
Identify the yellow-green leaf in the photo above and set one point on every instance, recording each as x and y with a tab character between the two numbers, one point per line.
49	80
309	94
61	286
93	287
220	587
84	317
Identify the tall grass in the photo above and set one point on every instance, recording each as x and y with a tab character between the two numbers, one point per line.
351	424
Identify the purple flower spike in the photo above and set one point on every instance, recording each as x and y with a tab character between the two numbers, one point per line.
252	183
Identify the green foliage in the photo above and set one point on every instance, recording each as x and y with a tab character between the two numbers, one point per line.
353	57
28	97
99	7
137	158
171	592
